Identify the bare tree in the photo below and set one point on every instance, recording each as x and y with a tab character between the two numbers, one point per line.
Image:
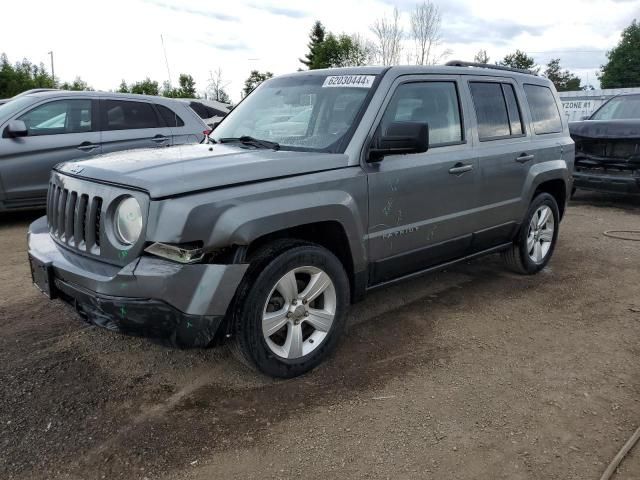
216	89
388	33
426	22
481	57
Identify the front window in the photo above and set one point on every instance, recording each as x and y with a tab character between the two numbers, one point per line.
60	116
308	113
619	108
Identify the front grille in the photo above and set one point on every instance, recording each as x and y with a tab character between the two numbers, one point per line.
74	218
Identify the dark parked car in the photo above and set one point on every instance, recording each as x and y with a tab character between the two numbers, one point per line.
265	242
608	147
41	129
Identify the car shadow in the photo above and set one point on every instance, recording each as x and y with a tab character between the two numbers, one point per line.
15	219
606	200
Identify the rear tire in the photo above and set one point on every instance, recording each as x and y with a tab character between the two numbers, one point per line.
536	240
290	308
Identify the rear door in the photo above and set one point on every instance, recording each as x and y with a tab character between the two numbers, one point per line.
505	155
128	124
186	126
59	130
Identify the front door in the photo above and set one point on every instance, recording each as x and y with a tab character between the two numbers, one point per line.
421	206
128	124
58	131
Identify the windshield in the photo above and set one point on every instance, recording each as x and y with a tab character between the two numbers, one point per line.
619	108
309	113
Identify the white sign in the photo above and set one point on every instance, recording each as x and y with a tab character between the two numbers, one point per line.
351	81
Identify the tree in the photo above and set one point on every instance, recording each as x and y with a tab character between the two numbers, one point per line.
145	87
426	22
187	88
563	80
22	76
77	85
388	33
217	87
623	66
255	78
123	88
342	51
481	57
520	60
316	39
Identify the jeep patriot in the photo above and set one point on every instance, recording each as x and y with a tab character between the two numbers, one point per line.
318	187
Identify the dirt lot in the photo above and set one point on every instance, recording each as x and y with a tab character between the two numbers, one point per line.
472	373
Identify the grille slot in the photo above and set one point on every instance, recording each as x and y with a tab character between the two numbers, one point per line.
74	218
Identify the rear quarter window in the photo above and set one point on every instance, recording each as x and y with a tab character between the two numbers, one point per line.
544	110
171	118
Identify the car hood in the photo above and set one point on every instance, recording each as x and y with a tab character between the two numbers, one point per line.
606	128
176	170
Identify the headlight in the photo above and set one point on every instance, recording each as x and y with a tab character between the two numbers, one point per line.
128	221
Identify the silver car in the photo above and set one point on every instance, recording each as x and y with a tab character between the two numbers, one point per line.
42	129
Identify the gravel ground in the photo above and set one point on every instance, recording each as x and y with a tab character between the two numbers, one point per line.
465	374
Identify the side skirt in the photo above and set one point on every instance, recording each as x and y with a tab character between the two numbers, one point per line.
441	266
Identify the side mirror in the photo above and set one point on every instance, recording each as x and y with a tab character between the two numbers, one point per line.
400	138
585	117
17	128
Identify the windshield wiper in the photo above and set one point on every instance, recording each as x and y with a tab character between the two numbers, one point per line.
254	142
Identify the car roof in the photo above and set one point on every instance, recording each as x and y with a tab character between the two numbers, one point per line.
113	95
424	69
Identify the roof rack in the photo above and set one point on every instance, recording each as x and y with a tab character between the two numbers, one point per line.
460	63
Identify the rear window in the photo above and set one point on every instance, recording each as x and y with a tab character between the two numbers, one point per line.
205	111
545	113
126	115
497	110
171	118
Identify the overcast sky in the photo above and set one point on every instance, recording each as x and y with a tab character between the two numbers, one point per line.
106	42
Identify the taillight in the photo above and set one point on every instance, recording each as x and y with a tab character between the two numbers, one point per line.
207	132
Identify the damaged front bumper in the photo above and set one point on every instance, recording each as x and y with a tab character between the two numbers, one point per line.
183	305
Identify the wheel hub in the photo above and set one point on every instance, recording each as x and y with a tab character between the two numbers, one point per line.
297	313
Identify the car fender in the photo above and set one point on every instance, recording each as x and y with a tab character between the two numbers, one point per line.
243	223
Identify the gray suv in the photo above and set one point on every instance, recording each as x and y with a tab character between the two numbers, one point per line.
41	129
262	238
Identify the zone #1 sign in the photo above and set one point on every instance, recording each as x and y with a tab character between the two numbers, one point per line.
353	81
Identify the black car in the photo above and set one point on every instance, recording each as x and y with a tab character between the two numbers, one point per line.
608	147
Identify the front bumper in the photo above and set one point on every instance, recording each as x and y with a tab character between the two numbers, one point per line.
623	183
181	304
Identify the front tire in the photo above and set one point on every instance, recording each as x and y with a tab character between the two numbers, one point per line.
533	247
290	308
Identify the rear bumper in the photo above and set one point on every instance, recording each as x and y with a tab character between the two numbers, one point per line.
182	304
625	184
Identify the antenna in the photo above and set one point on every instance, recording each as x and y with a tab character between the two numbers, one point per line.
164	50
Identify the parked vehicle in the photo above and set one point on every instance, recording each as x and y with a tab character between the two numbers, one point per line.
608	147
211	111
264	242
41	129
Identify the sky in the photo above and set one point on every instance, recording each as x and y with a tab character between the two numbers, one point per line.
107	42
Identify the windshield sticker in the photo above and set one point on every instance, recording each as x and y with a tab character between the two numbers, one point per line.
353	81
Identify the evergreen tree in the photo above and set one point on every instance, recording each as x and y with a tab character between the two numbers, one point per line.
255	78
520	60
316	39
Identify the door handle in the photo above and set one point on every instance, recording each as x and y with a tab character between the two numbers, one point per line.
524	158
159	139
460	168
87	146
